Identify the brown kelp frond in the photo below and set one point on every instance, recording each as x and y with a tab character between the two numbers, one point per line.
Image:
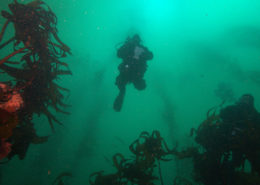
58	180
19	74
33	24
150	147
64	47
62	72
59	87
11	55
58	50
7	42
50	118
117	160
56	97
140	169
212	116
35	3
3	29
98	178
11	62
59	63
62	111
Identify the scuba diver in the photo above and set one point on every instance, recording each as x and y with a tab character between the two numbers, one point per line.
243	110
241	126
132	68
231	139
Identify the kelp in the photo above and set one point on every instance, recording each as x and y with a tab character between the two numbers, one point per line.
38	49
224	146
98	178
35	27
22	137
148	149
8	122
59	179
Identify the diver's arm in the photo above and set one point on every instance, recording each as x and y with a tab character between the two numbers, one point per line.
123	51
148	55
120	52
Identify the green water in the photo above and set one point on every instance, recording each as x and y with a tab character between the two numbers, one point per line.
196	45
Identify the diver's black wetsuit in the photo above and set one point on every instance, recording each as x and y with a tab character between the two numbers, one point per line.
241	126
229	140
132	68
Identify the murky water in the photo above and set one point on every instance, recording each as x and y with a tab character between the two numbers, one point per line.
199	47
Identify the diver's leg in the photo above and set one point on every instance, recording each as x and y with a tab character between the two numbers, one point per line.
139	84
119	100
121	84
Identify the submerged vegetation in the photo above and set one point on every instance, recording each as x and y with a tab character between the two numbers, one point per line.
33	89
225	141
149	150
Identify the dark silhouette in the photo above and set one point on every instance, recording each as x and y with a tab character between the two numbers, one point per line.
132	68
241	122
230	137
243	110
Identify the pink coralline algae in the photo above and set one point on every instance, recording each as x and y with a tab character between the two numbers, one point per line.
15	101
